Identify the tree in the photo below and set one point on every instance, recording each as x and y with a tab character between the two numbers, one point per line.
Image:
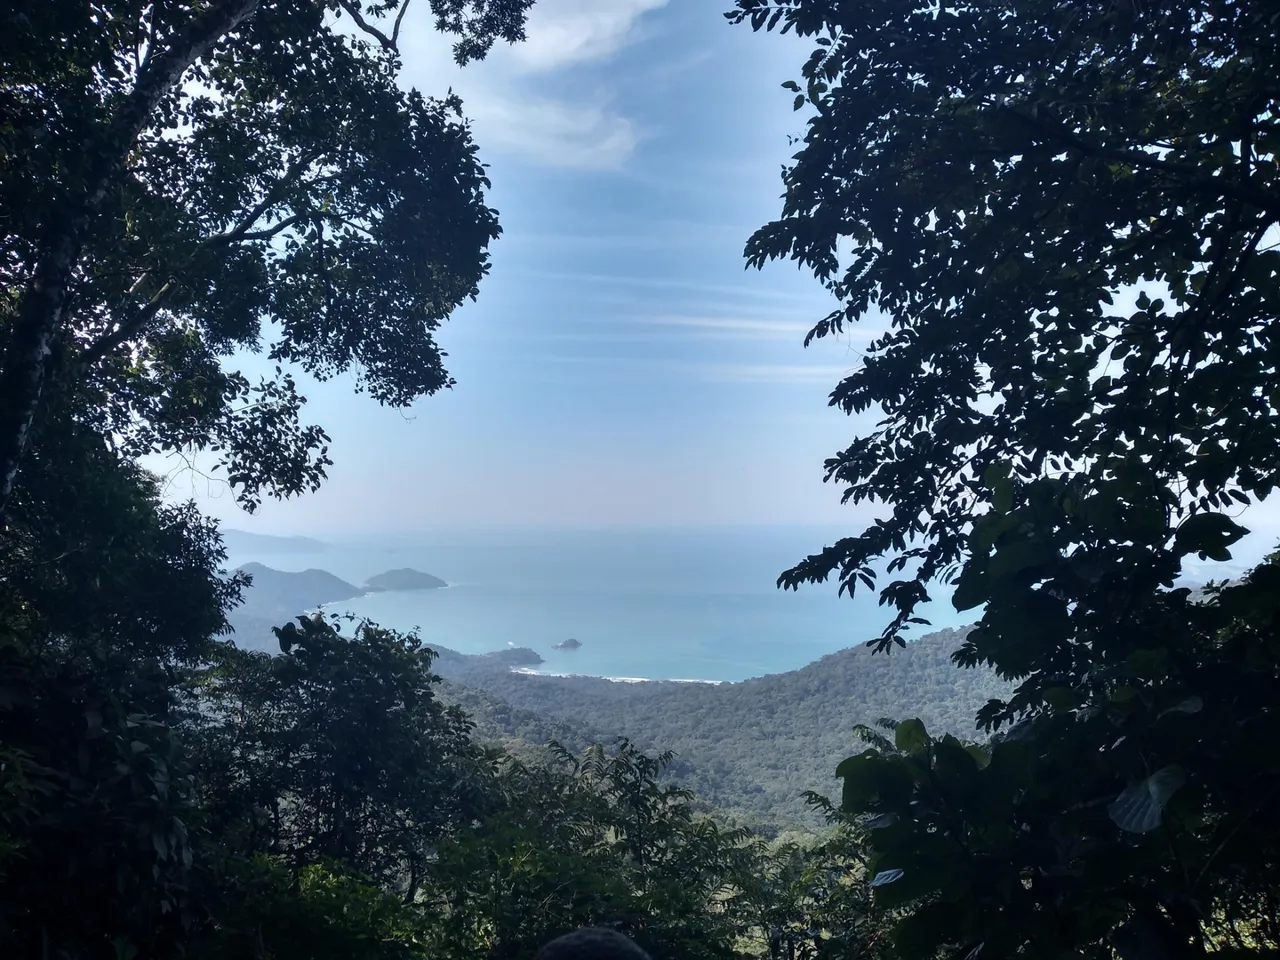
1065	215
592	841
315	913
811	895
95	807
1141	821
337	750
999	176
179	180
97	565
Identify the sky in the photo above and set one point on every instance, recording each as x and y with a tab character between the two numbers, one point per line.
621	366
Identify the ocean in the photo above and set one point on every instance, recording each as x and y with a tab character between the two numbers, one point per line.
656	604
686	604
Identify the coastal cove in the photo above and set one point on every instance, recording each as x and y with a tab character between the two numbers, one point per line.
678	604
657	604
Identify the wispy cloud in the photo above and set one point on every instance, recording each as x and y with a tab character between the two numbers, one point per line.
564	32
650	234
672	329
769	373
734	327
553	132
502	94
755	328
758	328
749	291
763	373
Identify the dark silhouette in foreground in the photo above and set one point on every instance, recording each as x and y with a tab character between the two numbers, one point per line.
591	943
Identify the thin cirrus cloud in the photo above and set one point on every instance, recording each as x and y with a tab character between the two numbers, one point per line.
509	98
703	372
768	373
752	328
674	329
746	291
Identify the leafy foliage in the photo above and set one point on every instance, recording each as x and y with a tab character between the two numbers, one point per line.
93	560
95	805
1064	215
315	913
587	842
197	177
1005	176
1141	820
337	750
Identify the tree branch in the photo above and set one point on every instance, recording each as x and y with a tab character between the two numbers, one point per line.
243	233
125	331
395	31
388	43
240	232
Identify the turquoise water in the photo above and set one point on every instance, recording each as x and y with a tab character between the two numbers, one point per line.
691	604
654	604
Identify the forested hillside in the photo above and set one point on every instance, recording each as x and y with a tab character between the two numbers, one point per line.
750	748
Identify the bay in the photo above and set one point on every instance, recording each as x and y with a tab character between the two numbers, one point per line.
672	604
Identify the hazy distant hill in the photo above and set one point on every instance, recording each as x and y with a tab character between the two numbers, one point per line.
404	579
241	541
276	597
275	591
752	747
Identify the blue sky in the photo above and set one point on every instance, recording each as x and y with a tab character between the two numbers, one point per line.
621	365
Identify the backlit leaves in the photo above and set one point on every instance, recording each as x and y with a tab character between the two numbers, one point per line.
1140	807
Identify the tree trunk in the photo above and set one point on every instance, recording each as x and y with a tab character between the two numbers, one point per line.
40	312
26	360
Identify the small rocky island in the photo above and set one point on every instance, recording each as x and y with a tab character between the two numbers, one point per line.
570	644
403	579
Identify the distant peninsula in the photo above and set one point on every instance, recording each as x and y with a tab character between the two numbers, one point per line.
277	596
570	644
403	579
275	593
513	657
242	541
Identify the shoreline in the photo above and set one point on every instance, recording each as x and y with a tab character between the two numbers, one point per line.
531	672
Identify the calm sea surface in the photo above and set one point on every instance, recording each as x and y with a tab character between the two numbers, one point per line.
656	604
693	604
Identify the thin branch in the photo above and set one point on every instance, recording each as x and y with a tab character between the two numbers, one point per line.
267	234
287	179
395	31
353	8
241	232
105	344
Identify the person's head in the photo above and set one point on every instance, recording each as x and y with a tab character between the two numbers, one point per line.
591	943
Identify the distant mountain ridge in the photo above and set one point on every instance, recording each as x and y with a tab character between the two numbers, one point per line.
242	541
277	596
404	579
